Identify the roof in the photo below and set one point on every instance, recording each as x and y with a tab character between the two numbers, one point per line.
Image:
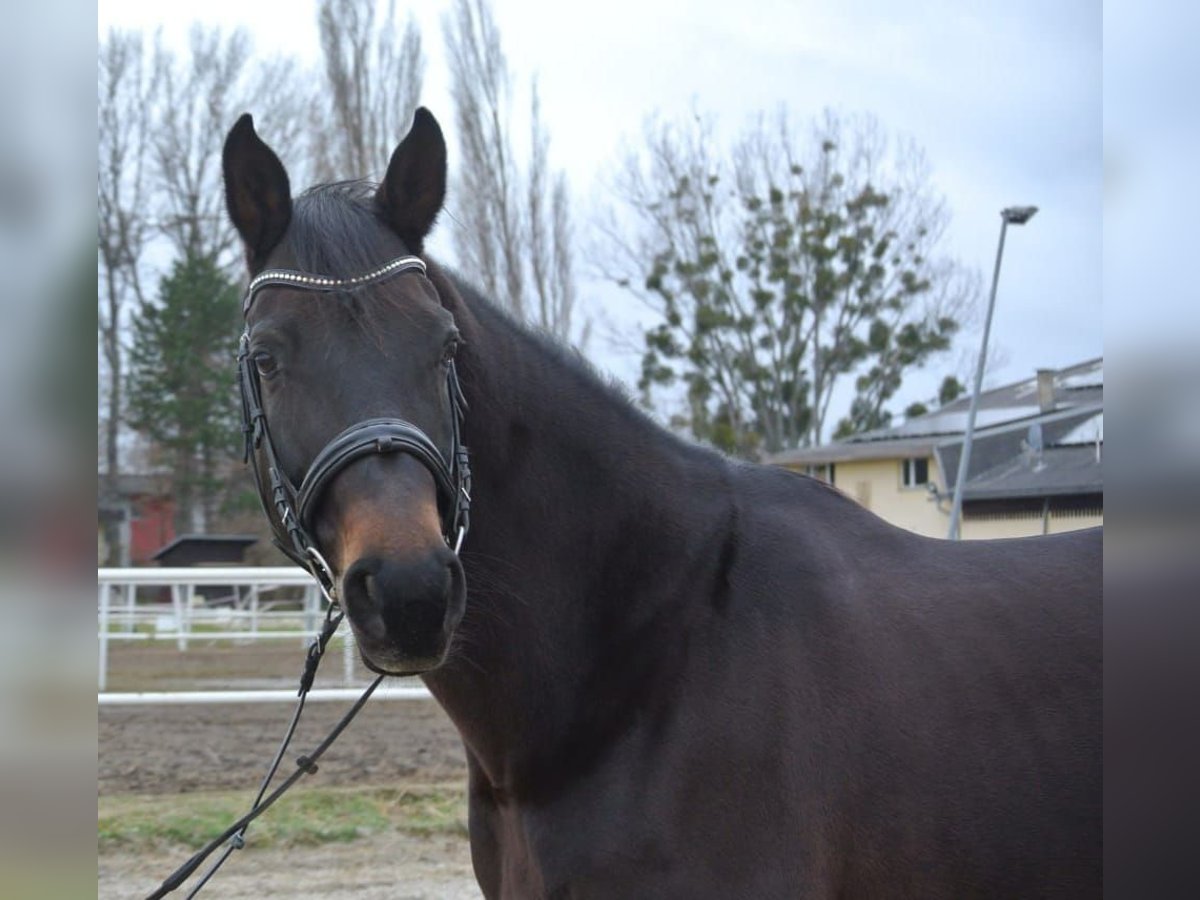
851	451
1054	454
1058	471
1073	387
1089	431
214	540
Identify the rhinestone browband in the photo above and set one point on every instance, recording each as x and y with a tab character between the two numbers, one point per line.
292	278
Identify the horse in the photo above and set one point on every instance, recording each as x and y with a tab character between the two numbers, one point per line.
674	674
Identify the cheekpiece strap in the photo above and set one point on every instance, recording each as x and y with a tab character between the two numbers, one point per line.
309	282
287	506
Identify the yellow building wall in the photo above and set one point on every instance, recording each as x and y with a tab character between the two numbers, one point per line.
878	485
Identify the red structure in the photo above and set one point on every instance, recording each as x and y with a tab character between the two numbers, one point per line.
152	526
144	512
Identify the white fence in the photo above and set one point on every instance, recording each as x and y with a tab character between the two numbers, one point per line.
211	603
317	695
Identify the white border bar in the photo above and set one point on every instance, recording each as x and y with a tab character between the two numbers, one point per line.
110	698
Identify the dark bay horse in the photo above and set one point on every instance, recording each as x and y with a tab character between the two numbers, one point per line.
675	675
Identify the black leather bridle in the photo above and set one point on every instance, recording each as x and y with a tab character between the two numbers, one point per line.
289	508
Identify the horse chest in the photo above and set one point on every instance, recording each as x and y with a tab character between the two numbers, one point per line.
573	844
651	820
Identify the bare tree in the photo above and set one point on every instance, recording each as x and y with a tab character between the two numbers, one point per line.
781	270
126	89
883	186
283	96
374	75
201	95
550	239
163	116
486	175
516	230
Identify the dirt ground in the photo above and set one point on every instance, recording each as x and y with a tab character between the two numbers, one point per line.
218	665
178	749
164	751
394	866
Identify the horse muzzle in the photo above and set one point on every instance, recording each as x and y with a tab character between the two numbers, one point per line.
404	612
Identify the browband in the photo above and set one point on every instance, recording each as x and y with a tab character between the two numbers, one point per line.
310	282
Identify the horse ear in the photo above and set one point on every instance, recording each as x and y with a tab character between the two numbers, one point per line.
257	192
415	185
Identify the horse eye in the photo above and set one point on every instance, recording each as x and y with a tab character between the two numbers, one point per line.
448	352
265	363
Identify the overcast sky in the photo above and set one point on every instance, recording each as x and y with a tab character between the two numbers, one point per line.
1005	98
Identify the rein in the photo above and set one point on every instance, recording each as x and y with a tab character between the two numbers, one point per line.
289	511
306	764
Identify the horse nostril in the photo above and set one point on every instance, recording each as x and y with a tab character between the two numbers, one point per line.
381	586
455	595
358	586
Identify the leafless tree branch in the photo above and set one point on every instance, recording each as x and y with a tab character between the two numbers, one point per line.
515	235
374	74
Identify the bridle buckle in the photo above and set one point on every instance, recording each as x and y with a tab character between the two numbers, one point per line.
323	572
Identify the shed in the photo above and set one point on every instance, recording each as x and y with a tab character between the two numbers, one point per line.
202	550
205	550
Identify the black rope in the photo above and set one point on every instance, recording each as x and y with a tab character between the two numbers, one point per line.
305	765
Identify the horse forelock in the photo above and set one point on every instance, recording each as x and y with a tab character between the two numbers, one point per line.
337	231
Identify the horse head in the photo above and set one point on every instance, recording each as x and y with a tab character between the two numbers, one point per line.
351	400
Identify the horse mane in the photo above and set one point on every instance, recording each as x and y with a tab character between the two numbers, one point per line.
564	373
565	358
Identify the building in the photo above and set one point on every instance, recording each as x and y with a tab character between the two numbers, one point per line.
143	512
1036	460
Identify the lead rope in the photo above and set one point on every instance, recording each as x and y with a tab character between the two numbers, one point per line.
235	834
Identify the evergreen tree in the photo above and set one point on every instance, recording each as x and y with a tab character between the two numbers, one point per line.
180	388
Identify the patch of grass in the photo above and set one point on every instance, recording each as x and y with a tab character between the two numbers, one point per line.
421	810
138	628
306	817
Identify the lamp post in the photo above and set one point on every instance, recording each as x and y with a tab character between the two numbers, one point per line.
1015	215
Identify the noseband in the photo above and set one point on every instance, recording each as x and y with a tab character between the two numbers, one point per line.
290	508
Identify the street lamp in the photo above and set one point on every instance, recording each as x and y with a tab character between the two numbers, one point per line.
1015	215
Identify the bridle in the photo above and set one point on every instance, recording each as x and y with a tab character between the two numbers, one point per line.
288	507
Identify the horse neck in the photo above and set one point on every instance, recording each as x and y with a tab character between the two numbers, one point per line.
579	504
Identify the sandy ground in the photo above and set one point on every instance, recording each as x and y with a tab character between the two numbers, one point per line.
162	751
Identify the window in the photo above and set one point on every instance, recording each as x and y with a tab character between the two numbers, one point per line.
914	472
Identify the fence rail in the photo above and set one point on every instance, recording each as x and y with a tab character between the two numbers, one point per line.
266	603
317	695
